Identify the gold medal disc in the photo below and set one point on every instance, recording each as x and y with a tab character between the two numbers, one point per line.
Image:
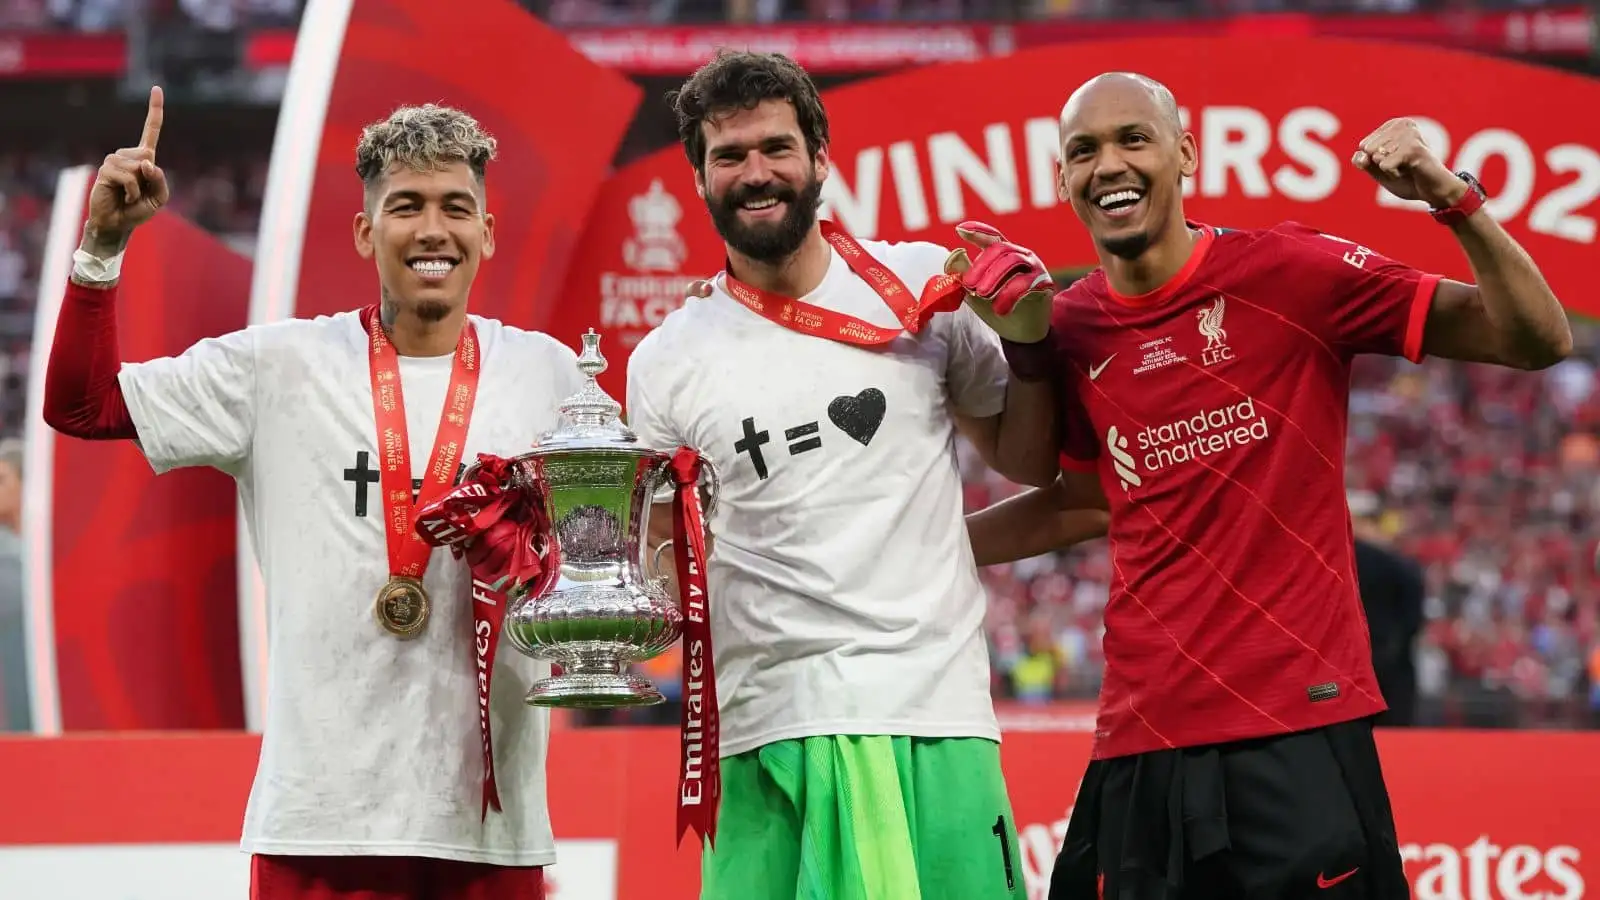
402	607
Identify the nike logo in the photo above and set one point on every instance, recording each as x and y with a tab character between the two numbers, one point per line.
1325	883
1094	371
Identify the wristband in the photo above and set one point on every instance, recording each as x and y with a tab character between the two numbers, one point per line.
91	269
1470	202
1031	362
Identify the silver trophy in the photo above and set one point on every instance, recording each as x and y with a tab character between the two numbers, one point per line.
604	608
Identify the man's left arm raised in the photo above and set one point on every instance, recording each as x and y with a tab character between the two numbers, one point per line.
1003	334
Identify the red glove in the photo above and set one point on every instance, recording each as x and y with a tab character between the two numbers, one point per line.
1007	286
1004	272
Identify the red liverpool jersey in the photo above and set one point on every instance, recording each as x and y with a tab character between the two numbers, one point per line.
1214	411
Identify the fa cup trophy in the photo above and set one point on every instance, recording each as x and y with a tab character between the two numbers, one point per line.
602	606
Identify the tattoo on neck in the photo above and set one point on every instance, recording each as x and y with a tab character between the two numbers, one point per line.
388	310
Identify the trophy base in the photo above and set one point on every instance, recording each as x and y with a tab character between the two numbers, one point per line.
594	690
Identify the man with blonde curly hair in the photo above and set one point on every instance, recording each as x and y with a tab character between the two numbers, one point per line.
376	773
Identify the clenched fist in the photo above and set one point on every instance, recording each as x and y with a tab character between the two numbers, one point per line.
128	190
1398	158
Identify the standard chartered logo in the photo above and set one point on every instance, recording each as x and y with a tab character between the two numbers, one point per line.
1121	462
1205	433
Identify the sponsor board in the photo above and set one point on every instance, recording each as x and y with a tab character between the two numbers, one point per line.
1481	815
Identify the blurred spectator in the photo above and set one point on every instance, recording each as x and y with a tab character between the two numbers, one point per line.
14	703
1392	594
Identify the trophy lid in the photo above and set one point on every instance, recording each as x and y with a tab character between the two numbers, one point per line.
590	418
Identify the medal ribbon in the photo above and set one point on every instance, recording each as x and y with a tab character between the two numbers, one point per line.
699	768
496	528
942	293
408	554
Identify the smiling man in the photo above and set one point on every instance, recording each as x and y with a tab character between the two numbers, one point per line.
372	781
859	750
1207	371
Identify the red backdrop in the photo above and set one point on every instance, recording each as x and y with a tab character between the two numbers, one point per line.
916	152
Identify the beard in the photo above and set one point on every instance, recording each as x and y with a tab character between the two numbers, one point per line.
767	242
1127	246
431	311
426	311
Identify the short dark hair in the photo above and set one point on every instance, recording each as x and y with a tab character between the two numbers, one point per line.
735	80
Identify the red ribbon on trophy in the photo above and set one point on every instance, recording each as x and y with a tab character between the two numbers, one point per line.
487	521
699	767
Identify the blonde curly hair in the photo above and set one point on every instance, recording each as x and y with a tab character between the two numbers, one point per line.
423	138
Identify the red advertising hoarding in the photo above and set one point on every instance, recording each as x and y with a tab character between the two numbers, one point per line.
1481	815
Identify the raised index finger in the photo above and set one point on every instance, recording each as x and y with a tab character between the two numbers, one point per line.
152	121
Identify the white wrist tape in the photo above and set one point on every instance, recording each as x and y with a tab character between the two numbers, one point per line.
93	269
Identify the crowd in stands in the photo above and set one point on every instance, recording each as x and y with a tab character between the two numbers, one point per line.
227	15
115	15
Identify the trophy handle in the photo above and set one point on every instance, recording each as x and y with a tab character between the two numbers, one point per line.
655	561
713	486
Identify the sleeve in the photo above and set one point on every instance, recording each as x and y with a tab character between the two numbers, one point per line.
82	398
1354	297
647	407
1080	446
976	372
197	408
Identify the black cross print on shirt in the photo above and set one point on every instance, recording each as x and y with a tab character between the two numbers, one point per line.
363	474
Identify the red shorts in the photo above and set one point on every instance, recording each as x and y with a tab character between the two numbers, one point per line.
389	878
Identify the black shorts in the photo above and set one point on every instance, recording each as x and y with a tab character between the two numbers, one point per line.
1293	817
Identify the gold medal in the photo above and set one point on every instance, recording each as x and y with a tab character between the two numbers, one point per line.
402	607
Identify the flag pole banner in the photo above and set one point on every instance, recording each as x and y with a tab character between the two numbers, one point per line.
131	575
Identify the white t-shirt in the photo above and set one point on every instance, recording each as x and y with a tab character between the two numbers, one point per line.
843	592
371	744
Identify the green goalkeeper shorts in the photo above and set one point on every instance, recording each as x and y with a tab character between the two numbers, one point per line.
865	818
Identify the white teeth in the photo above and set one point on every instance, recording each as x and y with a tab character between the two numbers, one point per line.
432	266
1111	200
762	204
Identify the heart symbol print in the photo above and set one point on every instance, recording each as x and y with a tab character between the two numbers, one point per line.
859	416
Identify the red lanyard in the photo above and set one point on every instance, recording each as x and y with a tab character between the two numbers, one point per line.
408	553
942	293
